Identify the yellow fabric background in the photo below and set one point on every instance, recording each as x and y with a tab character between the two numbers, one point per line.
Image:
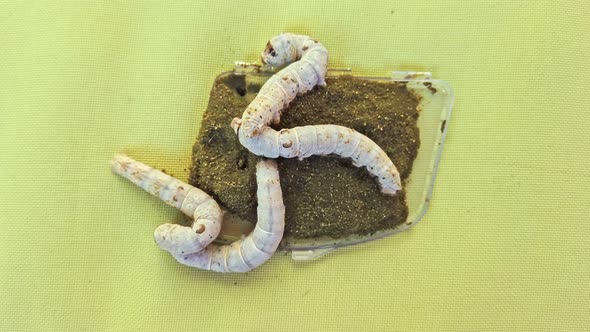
504	246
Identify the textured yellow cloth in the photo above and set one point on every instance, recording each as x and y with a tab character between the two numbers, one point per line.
504	246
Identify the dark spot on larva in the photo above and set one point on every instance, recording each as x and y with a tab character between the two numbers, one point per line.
443	125
305	48
430	87
269	49
288	145
241	91
174	198
285	78
201	229
181	187
163	171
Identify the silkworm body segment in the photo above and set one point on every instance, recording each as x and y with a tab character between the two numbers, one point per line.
256	248
308	65
192	201
192	245
299	77
304	141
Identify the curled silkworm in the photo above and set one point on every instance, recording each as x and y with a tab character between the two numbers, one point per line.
192	245
308	65
192	201
256	248
308	61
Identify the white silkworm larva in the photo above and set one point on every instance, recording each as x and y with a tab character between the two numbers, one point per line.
192	245
308	65
308	61
192	201
256	248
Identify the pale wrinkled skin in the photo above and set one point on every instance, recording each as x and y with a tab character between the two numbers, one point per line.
256	248
192	245
308	61
192	201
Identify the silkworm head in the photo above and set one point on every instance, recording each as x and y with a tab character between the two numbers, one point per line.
279	51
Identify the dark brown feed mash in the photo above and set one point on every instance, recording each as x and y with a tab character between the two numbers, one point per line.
323	195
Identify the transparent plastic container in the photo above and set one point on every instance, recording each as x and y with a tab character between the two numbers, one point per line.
435	111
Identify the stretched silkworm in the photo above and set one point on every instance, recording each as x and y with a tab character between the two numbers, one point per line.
308	65
192	245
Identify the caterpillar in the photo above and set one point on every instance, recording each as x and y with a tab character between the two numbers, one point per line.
192	246
307	61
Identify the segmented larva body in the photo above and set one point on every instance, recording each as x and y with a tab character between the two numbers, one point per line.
308	65
306	141
192	245
309	70
192	201
256	248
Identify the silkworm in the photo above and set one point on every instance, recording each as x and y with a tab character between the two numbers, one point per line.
192	246
307	68
256	248
308	61
192	201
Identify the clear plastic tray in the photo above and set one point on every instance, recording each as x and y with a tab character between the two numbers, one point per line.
435	111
